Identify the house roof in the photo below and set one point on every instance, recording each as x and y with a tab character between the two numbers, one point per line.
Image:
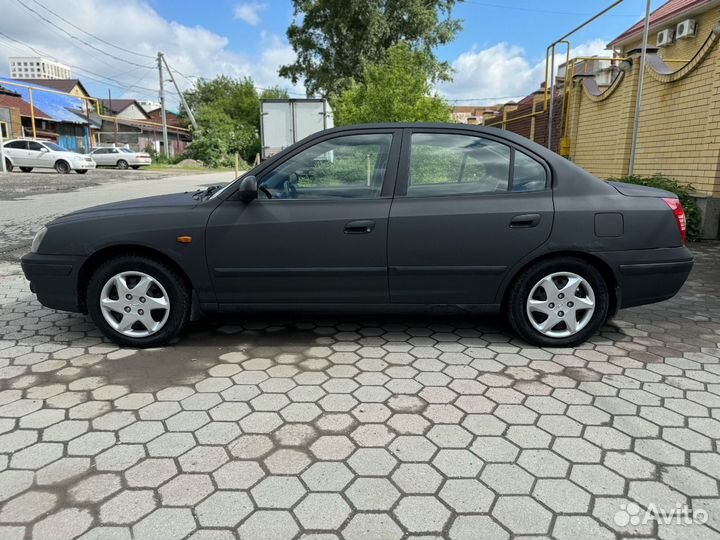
61	85
668	11
119	105
57	107
12	99
172	118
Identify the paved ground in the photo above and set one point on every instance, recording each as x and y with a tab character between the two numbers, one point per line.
18	184
361	429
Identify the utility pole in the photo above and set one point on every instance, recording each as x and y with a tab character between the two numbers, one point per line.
190	114
2	150
163	113
115	120
641	83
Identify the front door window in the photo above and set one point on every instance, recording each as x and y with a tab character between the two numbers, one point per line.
349	167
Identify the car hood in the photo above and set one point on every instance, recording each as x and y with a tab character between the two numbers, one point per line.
142	205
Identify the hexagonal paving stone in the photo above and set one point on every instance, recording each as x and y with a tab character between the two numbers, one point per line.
327	476
522	514
151	472
467	527
372	494
467	495
508	479
127	507
457	463
287	461
238	475
375	526
185	490
562	496
224	509
95	488
27	507
277	492
372	462
166	523
417	478
269	525
322	511
422	514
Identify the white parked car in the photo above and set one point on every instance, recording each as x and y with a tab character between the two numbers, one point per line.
28	155
122	158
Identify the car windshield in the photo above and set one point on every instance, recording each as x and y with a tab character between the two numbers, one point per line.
56	147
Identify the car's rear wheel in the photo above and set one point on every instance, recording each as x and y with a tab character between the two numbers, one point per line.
138	302
8	166
558	302
26	169
62	167
122	164
81	171
136	167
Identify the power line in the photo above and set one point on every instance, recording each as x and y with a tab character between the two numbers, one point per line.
23	4
92	35
116	83
491	98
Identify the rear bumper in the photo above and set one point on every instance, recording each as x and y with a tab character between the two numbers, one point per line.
54	279
84	166
646	276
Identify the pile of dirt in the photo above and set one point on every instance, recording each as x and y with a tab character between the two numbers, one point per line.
190	163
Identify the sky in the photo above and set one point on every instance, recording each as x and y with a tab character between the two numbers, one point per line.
499	55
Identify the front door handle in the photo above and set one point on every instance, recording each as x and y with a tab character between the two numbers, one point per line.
363	226
525	221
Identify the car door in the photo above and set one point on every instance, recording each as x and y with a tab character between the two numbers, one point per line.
17	150
322	236
99	156
468	207
38	155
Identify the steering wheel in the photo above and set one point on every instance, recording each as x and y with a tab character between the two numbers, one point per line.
290	191
266	191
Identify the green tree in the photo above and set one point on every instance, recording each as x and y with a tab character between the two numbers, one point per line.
336	39
227	111
396	90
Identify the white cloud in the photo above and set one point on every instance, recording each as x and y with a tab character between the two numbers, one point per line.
191	50
503	72
249	12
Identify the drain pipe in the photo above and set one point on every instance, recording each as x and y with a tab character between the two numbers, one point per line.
641	83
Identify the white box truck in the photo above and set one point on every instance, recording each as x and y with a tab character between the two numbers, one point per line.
283	122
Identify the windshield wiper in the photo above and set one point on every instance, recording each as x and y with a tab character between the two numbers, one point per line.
203	193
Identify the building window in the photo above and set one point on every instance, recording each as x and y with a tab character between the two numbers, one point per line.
4	130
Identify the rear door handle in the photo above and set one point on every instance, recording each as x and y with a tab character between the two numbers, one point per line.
363	226
525	221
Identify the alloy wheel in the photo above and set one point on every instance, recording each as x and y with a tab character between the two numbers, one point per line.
135	304
560	304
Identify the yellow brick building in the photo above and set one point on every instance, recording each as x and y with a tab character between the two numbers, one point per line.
679	134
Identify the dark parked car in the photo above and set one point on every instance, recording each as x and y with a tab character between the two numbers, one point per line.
373	218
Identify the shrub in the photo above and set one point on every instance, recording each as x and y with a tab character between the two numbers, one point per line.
685	192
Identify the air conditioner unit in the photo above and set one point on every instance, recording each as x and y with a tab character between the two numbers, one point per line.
665	37
686	29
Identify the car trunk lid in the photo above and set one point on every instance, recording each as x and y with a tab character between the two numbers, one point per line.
635	190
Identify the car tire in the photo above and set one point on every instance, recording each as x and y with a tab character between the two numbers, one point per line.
122	164
538	298
8	166
168	287
136	167
26	169
62	167
81	171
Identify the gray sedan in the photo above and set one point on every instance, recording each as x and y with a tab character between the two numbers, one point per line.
374	218
122	158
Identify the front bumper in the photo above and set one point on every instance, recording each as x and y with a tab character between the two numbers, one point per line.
646	276
54	279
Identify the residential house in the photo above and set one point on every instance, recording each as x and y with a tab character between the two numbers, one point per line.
143	134
472	114
16	116
68	86
679	128
67	121
125	109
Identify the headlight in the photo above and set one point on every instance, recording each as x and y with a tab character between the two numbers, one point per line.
38	239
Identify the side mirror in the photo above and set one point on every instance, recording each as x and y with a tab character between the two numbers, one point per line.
248	189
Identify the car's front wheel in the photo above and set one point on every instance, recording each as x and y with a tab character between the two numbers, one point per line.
138	301
62	167
8	166
81	171
26	169
558	302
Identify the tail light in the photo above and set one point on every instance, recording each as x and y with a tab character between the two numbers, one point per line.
679	214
